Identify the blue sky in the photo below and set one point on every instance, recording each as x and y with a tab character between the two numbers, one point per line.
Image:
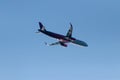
23	55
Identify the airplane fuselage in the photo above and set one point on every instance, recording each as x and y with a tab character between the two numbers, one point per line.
64	38
55	35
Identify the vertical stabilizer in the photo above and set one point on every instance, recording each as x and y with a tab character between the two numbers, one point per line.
41	26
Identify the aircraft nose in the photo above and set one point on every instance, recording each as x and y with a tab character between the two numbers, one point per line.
82	43
85	44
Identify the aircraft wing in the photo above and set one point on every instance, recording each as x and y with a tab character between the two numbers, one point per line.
69	33
57	43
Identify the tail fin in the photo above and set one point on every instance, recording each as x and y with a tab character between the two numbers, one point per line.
41	26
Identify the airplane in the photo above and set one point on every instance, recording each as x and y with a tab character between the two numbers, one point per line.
63	40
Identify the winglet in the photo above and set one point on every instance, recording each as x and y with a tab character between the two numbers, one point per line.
69	33
70	24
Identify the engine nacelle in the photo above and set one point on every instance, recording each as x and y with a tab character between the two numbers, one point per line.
63	44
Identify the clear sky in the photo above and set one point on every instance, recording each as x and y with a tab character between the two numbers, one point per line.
23	55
